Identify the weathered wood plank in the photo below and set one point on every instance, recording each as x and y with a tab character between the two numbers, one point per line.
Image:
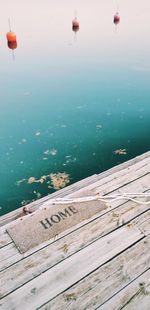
4	237
145	227
7	253
135	163
71	270
135	296
143	223
106	281
116	182
103	224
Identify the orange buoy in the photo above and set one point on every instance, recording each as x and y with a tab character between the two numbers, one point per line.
116	19
11	37
11	40
12	44
75	25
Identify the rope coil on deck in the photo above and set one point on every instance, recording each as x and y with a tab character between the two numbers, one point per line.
107	199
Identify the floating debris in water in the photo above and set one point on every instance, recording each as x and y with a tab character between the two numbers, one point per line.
46	152
120	152
34	180
20	181
37	133
23	140
71	160
52	152
24	202
63	126
99	126
59	180
45	158
31	180
38	194
56	181
44	177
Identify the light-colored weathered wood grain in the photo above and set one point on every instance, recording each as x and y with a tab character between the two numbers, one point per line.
116	182
145	227
143	222
71	270
135	296
106	281
4	237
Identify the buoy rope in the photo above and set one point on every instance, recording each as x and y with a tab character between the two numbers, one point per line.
9	24
75	13
117	6
108	199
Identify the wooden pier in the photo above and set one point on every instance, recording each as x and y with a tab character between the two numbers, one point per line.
100	261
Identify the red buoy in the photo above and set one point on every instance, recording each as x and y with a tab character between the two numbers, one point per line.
75	25
116	19
12	44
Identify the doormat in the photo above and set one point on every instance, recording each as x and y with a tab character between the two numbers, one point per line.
49	221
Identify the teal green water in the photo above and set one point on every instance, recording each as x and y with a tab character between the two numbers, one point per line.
68	102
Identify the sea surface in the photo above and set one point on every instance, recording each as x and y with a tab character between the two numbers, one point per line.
72	104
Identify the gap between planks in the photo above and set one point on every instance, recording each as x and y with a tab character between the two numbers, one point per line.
136	295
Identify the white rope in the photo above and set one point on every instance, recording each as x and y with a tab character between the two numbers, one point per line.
107	199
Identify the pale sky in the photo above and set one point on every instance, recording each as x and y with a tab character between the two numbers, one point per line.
43	14
41	23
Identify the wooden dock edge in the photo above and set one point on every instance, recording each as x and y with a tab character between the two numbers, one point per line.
11	216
